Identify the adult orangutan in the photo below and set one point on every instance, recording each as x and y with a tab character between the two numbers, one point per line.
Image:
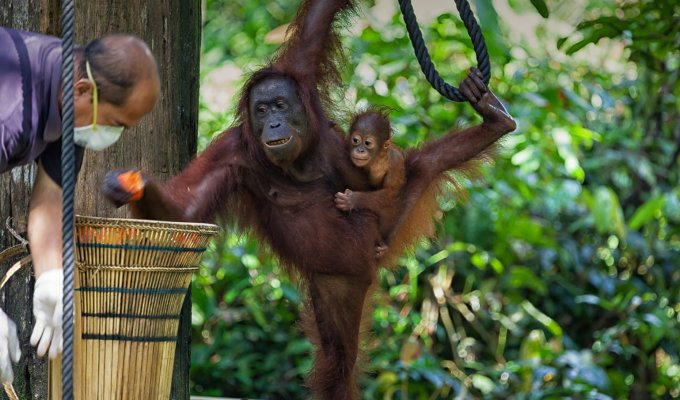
276	173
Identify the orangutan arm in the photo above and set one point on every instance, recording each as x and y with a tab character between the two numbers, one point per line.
196	194
455	149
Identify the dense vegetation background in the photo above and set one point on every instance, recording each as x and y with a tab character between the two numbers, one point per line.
559	277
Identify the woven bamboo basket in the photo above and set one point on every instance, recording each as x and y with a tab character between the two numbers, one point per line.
130	282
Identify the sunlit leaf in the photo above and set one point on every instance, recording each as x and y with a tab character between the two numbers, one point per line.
584	134
646	212
479	260
435	258
593	36
607	212
497	265
548	322
483	383
532	344
595	300
522	156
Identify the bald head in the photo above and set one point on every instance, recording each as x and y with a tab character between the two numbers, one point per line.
125	75
118	63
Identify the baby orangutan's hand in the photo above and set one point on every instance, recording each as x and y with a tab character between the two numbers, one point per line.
345	201
380	249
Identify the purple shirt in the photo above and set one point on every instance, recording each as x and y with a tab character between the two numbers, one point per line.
30	120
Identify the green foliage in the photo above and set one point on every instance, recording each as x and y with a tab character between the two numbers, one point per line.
541	7
266	354
559	277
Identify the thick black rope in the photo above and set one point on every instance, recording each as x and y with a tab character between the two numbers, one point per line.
423	55
68	183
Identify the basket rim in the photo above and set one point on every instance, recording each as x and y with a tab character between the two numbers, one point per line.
89	268
85	220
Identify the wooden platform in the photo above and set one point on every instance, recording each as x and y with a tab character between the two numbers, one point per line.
215	398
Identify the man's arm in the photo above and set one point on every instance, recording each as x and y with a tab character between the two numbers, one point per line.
44	235
44	224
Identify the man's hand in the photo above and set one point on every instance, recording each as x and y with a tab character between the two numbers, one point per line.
485	102
122	187
9	348
48	311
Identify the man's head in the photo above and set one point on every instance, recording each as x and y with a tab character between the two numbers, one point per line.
126	78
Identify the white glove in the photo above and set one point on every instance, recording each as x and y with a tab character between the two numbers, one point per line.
48	310
9	348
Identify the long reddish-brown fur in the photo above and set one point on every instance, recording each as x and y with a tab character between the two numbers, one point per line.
332	251
419	209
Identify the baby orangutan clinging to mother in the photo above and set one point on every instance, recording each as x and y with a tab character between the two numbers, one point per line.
371	149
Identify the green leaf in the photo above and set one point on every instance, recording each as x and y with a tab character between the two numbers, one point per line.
437	257
298	346
646	212
595	300
523	277
541	7
497	265
483	383
561	41
236	290
532	344
548	322
531	230
578	46
607	212
593	37
480	260
523	156
489	21
586	135
565	149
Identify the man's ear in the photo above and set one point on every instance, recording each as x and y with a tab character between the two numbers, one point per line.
83	89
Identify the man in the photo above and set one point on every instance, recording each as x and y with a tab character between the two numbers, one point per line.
116	83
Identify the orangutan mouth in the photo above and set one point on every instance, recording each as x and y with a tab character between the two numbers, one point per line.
278	142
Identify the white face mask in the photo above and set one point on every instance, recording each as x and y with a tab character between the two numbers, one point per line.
96	137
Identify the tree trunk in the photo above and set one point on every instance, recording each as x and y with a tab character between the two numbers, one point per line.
161	144
165	140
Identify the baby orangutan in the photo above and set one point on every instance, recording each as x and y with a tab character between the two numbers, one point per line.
372	150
